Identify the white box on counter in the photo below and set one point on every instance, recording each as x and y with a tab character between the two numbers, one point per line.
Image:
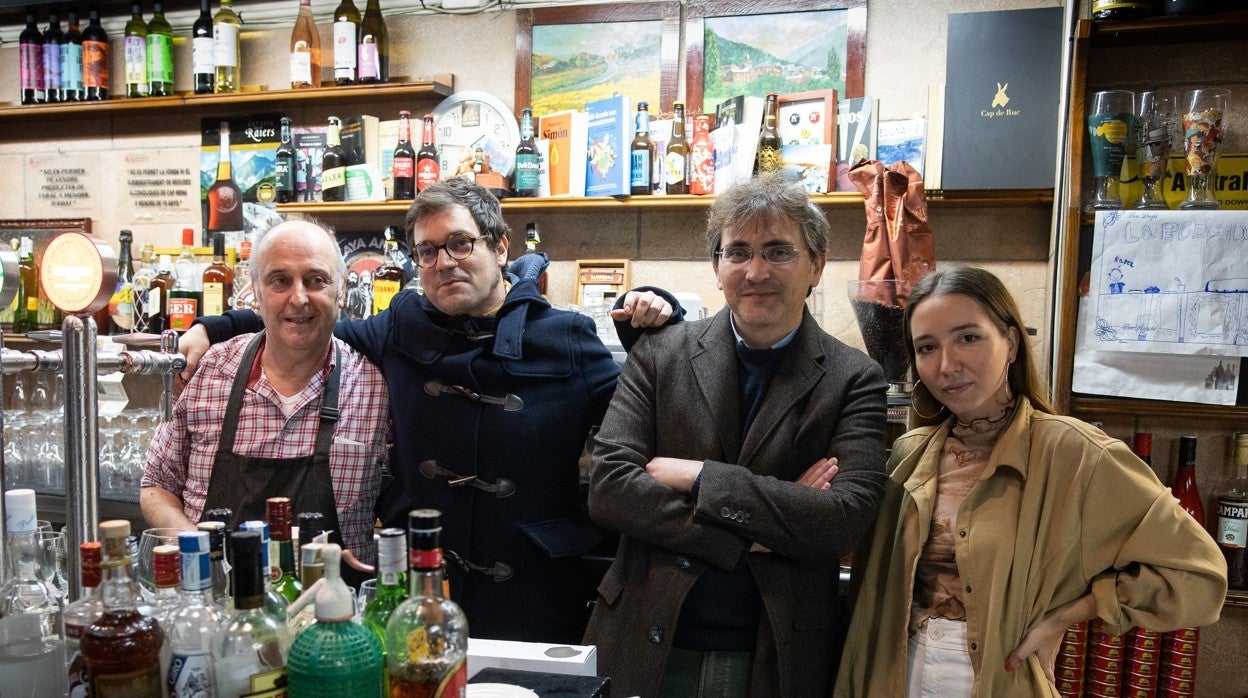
577	660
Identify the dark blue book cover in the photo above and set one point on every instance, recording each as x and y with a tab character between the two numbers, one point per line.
610	133
1003	76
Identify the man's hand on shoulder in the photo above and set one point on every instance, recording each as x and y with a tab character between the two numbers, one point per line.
643	309
192	344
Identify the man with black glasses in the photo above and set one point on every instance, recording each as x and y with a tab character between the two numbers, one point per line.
715	462
493	394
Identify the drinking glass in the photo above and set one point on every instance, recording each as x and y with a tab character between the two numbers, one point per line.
367	592
1202	132
1109	135
148	540
1157	129
52	560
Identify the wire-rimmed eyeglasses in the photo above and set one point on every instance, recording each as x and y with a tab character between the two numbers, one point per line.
458	247
775	254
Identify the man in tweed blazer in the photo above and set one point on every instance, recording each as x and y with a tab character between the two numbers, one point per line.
715	462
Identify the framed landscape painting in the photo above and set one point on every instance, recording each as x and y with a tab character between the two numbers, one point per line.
567	56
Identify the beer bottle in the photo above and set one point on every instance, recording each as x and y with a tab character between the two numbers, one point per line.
528	166
676	172
768	139
641	150
428	170
405	160
333	165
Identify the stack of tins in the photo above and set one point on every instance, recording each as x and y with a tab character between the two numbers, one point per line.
1143	658
1106	656
1070	661
1178	663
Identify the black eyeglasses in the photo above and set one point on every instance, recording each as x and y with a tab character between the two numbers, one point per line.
458	247
775	254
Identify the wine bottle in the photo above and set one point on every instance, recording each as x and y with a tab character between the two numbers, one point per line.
82	613
432	628
26	314
1142	444
220	591
30	58
226	58
278	513
305	50
676	171
71	60
640	152
428	171
346	39
95	57
311	524
194	622
225	199
391	581
284	165
334	657
122	647
250	650
390	278
1232	516
404	160
333	165
528	175
53	37
768	159
1184	487
121	305
374	50
274	602
218	280
203	58
32	644
159	53
135	48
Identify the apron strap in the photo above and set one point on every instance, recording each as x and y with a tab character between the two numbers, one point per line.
329	409
225	443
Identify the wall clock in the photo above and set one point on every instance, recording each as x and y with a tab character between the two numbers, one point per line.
470	119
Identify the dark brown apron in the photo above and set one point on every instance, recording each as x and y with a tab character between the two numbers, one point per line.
243	483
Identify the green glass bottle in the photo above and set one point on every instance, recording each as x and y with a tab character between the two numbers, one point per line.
274	602
391	583
159	53
278	512
136	53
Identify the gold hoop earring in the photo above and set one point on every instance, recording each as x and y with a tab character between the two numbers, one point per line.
914	405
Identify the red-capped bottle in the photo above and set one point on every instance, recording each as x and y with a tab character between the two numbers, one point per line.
1184	486
428	170
702	158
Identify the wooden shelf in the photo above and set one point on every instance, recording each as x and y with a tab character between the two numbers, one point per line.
987	198
1188	29
1089	406
429	88
1238	599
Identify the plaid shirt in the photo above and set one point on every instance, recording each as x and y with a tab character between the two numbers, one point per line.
181	453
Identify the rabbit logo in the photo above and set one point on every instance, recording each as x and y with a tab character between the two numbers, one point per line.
1001	99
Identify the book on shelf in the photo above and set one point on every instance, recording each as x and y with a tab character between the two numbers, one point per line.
744	114
1001	120
310	144
856	134
933	155
387	139
607	141
567	133
902	140
811	164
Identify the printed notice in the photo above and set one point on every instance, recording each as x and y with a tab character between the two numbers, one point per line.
61	186
159	186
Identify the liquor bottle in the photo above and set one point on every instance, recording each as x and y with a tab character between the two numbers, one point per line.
184	301
225	199
374	50
53	37
135	48
122	647
676	170
433	629
220	573
274	602
278	513
71	60
159	53
390	278
333	165
157	305
346	39
702	158
82	613
26	314
768	159
311	570
249	652
203	58
305	50
1184	487
30	58
428	171
1232	516
32	643
391	582
1120	10
226	59
121	304
218	280
405	160
284	165
335	656
95	58
311	524
640	153
1142	444
194	622
532	239
167	576
242	277
528	165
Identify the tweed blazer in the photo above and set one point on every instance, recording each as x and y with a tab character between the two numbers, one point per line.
678	397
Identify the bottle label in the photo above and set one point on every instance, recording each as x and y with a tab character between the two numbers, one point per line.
136	62
214	298
369	61
702	167
190	675
1232	523
334	177
141	682
639	172
284	174
768	159
32	66
202	58
182	313
160	58
95	64
121	307
383	292
404	167
301	68
225	45
528	173
71	67
675	173
454	683
52	69
427	172
344	50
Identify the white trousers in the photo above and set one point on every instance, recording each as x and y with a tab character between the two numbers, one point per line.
939	665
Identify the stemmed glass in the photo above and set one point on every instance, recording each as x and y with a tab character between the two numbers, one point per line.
1202	132
148	540
1109	135
1157	129
52	560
